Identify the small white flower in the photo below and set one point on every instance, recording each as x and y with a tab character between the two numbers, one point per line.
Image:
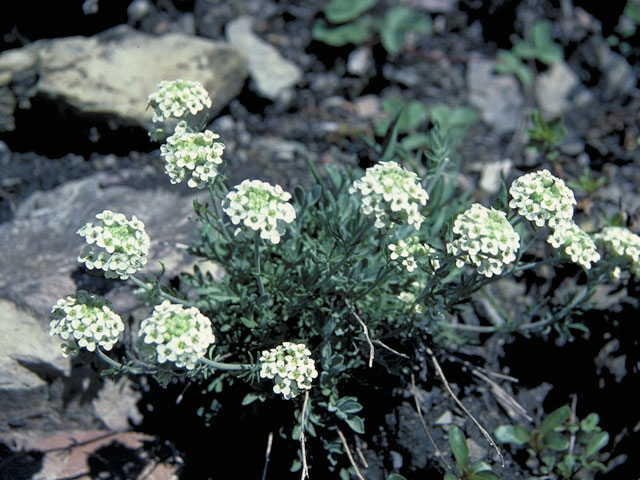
392	194
178	99
542	198
486	240
290	367
258	206
125	242
621	242
174	333
86	321
408	249
575	243
188	153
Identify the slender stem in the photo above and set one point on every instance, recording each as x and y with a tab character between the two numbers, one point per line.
225	366
256	257
577	299
120	366
164	295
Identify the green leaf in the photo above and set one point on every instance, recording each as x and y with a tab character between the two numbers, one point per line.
598	441
395	476
480	467
252	397
459	447
554	420
340	11
555	441
484	475
450	476
508	63
356	423
356	32
348	405
513	434
590	423
397	22
415	141
413	114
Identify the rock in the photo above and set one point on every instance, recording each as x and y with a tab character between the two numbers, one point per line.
558	90
497	97
619	77
29	359
113	73
435	6
491	175
38	271
273	76
360	61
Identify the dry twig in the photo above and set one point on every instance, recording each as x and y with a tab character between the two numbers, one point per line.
424	425
350	455
366	334
484	432
510	404
267	455
303	415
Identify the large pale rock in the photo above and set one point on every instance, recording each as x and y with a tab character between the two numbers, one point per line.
273	75
113	73
29	359
559	89
40	246
497	97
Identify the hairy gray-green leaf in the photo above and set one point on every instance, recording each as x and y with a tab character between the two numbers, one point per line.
459	446
513	434
340	11
597	442
356	32
397	22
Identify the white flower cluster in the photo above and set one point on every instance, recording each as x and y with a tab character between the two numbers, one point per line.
392	194
409	249
177	99
257	205
620	241
575	242
409	298
177	334
87	321
542	198
125	244
486	240
190	153
291	368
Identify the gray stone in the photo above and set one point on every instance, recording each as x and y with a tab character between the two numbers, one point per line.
360	61
559	89
113	73
273	76
434	6
40	245
619	77
29	358
497	97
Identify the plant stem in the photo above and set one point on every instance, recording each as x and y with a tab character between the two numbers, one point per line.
226	366
576	300
162	294
256	257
